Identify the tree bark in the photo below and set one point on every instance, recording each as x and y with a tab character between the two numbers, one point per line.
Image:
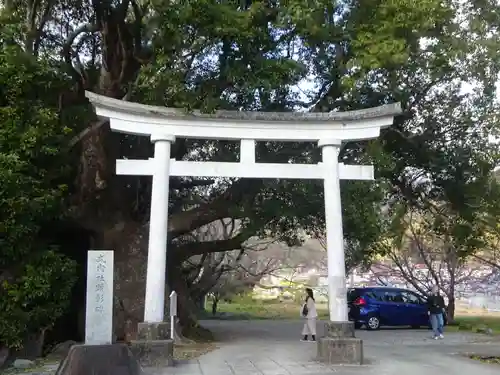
186	307
450	312
4	354
200	302
215	302
129	240
32	348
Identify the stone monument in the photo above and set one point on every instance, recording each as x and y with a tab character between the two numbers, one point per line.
163	125
99	356
99	302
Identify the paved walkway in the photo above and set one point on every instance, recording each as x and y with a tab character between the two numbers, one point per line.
273	348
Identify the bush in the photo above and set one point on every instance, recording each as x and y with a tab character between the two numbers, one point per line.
33	298
35	281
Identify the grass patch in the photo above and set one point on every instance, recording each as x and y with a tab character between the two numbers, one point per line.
480	323
191	351
259	310
486	359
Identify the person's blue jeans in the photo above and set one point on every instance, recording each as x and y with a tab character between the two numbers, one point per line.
437	323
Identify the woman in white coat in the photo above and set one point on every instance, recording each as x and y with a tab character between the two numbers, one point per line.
310	314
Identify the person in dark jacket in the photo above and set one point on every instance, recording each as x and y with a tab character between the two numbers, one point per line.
435	306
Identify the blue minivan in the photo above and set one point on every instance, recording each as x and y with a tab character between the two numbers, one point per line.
374	307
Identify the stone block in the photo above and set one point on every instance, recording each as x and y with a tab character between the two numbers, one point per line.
339	329
340	346
153	353
23	363
340	350
153	347
153	331
107	359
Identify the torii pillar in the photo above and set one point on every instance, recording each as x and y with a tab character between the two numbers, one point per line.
339	345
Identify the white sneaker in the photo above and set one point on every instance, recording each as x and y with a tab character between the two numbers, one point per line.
441	336
436	337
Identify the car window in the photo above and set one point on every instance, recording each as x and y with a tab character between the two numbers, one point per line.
423	300
378	295
398	297
409	297
390	296
352	294
373	295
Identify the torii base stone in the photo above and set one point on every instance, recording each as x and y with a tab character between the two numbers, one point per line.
340	346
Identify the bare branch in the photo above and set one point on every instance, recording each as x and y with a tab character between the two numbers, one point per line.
68	46
432	242
489	262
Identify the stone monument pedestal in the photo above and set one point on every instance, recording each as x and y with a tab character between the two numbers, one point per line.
340	346
106	359
153	347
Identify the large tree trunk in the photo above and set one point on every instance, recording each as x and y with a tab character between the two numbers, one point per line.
104	203
186	307
4	354
215	302
200	302
129	240
450	312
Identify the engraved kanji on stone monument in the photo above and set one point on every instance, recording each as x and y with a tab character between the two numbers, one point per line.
99	302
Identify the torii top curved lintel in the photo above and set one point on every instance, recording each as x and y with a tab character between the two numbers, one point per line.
141	119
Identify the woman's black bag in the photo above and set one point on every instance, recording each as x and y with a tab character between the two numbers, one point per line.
305	310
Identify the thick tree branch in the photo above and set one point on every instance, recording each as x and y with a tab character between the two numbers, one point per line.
93	127
138	16
187	221
41	26
176	183
31	24
67	48
101	122
206	213
186	251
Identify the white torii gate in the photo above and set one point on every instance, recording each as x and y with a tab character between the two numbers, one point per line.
164	124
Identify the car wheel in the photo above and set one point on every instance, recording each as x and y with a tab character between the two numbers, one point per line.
373	323
357	325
